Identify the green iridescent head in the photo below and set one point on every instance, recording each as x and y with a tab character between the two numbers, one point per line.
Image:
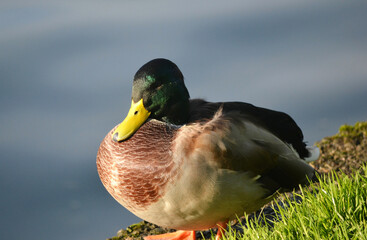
158	92
160	84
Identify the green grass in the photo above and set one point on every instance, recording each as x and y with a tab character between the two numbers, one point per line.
337	211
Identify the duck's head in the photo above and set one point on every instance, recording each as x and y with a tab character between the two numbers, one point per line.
158	92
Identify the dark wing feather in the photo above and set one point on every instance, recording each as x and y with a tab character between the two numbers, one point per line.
265	158
279	123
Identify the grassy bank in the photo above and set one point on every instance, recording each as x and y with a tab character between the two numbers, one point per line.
335	208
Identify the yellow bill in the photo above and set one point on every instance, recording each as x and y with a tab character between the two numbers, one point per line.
134	119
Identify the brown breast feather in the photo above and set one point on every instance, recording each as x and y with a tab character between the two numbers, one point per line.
136	171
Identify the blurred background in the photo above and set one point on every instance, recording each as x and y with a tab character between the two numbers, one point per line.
66	69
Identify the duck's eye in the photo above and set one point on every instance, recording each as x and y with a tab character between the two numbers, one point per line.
136	112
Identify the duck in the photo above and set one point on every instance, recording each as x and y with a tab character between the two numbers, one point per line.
189	164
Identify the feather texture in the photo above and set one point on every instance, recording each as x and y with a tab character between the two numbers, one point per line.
196	175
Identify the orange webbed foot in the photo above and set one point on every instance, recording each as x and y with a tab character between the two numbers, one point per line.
221	229
178	235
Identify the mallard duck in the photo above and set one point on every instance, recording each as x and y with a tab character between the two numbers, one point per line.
189	164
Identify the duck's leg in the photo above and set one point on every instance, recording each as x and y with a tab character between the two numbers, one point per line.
221	228
178	235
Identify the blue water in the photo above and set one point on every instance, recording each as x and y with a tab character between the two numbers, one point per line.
65	80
